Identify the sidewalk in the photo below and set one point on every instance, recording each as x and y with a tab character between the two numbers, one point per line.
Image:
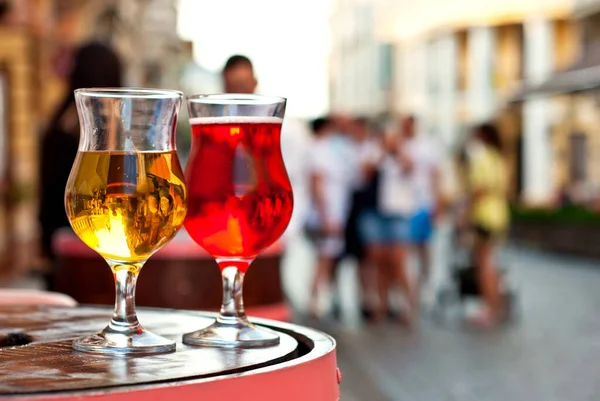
550	355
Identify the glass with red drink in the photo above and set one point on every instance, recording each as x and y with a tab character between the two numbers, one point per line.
239	200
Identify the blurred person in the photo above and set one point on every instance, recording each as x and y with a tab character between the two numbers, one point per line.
93	65
461	201
342	126
487	182
461	234
385	227
238	77
366	155
330	188
424	161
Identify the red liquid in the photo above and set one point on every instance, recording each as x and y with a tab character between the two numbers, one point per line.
239	195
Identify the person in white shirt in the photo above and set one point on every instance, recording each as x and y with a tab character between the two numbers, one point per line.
424	159
330	167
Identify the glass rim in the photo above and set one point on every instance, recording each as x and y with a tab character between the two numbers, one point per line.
235	98
130	92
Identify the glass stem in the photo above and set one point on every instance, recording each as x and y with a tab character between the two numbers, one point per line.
124	319
232	308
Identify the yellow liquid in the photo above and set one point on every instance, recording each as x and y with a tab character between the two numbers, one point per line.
126	205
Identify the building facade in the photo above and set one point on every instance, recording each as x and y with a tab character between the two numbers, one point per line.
575	133
456	64
361	67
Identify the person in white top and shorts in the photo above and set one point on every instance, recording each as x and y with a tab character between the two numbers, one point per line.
385	228
425	159
330	164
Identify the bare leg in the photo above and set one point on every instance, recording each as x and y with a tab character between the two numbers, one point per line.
364	279
322	276
379	276
399	271
333	285
367	275
335	264
488	277
424	262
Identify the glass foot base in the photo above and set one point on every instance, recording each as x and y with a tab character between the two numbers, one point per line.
121	344
236	335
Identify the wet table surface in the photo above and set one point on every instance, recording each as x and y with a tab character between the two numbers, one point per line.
48	363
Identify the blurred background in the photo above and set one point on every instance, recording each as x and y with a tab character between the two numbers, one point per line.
529	67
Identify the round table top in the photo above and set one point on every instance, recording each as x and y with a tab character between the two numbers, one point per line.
48	364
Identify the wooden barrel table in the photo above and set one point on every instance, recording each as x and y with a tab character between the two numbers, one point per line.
39	364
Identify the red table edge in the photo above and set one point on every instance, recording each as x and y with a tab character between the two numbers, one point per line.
281	312
311	377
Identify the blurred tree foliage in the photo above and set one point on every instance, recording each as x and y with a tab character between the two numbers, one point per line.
571	215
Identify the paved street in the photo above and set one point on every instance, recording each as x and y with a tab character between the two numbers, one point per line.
552	353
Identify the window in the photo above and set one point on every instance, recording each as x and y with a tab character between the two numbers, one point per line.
578	157
386	65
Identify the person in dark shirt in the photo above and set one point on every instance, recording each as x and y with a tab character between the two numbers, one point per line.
94	65
367	152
